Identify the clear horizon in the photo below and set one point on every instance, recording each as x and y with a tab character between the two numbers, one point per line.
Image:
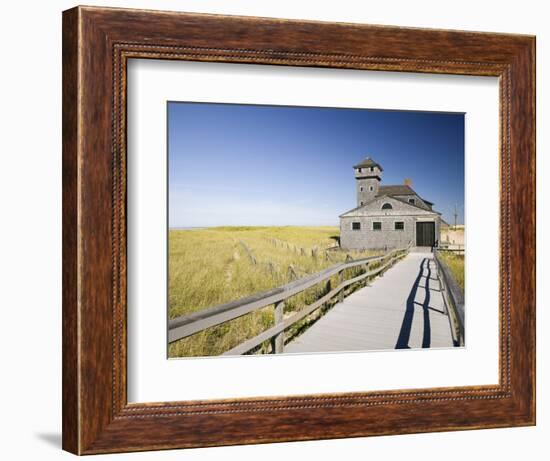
250	165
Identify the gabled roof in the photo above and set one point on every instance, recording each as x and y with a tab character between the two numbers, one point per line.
368	162
355	209
412	204
399	189
379	197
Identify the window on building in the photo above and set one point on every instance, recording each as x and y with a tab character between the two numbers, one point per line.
362	203
361	188
399	225
355	226
387	206
376	226
412	201
371	188
359	170
372	168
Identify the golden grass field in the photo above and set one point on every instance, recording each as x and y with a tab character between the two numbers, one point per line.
456	264
454	236
212	266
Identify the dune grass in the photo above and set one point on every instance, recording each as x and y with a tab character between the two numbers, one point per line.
212	266
455	263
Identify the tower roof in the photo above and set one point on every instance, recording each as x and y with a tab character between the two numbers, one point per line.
368	162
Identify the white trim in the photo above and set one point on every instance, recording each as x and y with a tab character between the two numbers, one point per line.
151	377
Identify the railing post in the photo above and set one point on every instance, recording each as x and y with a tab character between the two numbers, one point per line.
278	341
382	264
340	281
442	286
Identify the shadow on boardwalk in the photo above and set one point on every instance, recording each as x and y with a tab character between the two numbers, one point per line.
405	332
403	309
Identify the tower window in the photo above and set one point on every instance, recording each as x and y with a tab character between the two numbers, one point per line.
376	226
355	226
412	201
372	168
361	188
399	225
371	188
387	206
359	170
362	203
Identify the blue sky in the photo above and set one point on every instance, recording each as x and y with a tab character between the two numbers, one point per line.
232	164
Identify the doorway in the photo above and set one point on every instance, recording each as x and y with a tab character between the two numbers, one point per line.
425	234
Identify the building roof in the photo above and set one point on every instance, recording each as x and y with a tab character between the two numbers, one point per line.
394	198
413	204
399	189
368	162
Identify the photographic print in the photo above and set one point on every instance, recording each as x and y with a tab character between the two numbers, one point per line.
287	215
313	229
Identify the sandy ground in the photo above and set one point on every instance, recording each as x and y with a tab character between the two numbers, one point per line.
453	237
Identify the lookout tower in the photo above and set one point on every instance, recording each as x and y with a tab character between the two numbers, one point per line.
368	174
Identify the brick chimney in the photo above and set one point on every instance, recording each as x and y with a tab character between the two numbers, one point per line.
408	182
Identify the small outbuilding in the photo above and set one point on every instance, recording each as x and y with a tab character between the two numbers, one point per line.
387	216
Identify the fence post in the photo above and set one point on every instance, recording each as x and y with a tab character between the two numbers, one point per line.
291	273
249	252
278	341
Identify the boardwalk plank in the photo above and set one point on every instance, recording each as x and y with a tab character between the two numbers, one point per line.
405	307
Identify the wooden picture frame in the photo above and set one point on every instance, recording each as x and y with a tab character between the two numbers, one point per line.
97	43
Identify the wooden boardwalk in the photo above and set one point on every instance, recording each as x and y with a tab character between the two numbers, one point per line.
402	309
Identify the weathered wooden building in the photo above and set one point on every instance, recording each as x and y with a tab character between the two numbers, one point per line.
391	216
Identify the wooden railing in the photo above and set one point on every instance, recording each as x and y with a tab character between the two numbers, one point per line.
453	298
459	251
184	326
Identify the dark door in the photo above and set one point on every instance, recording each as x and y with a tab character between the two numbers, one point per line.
425	234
